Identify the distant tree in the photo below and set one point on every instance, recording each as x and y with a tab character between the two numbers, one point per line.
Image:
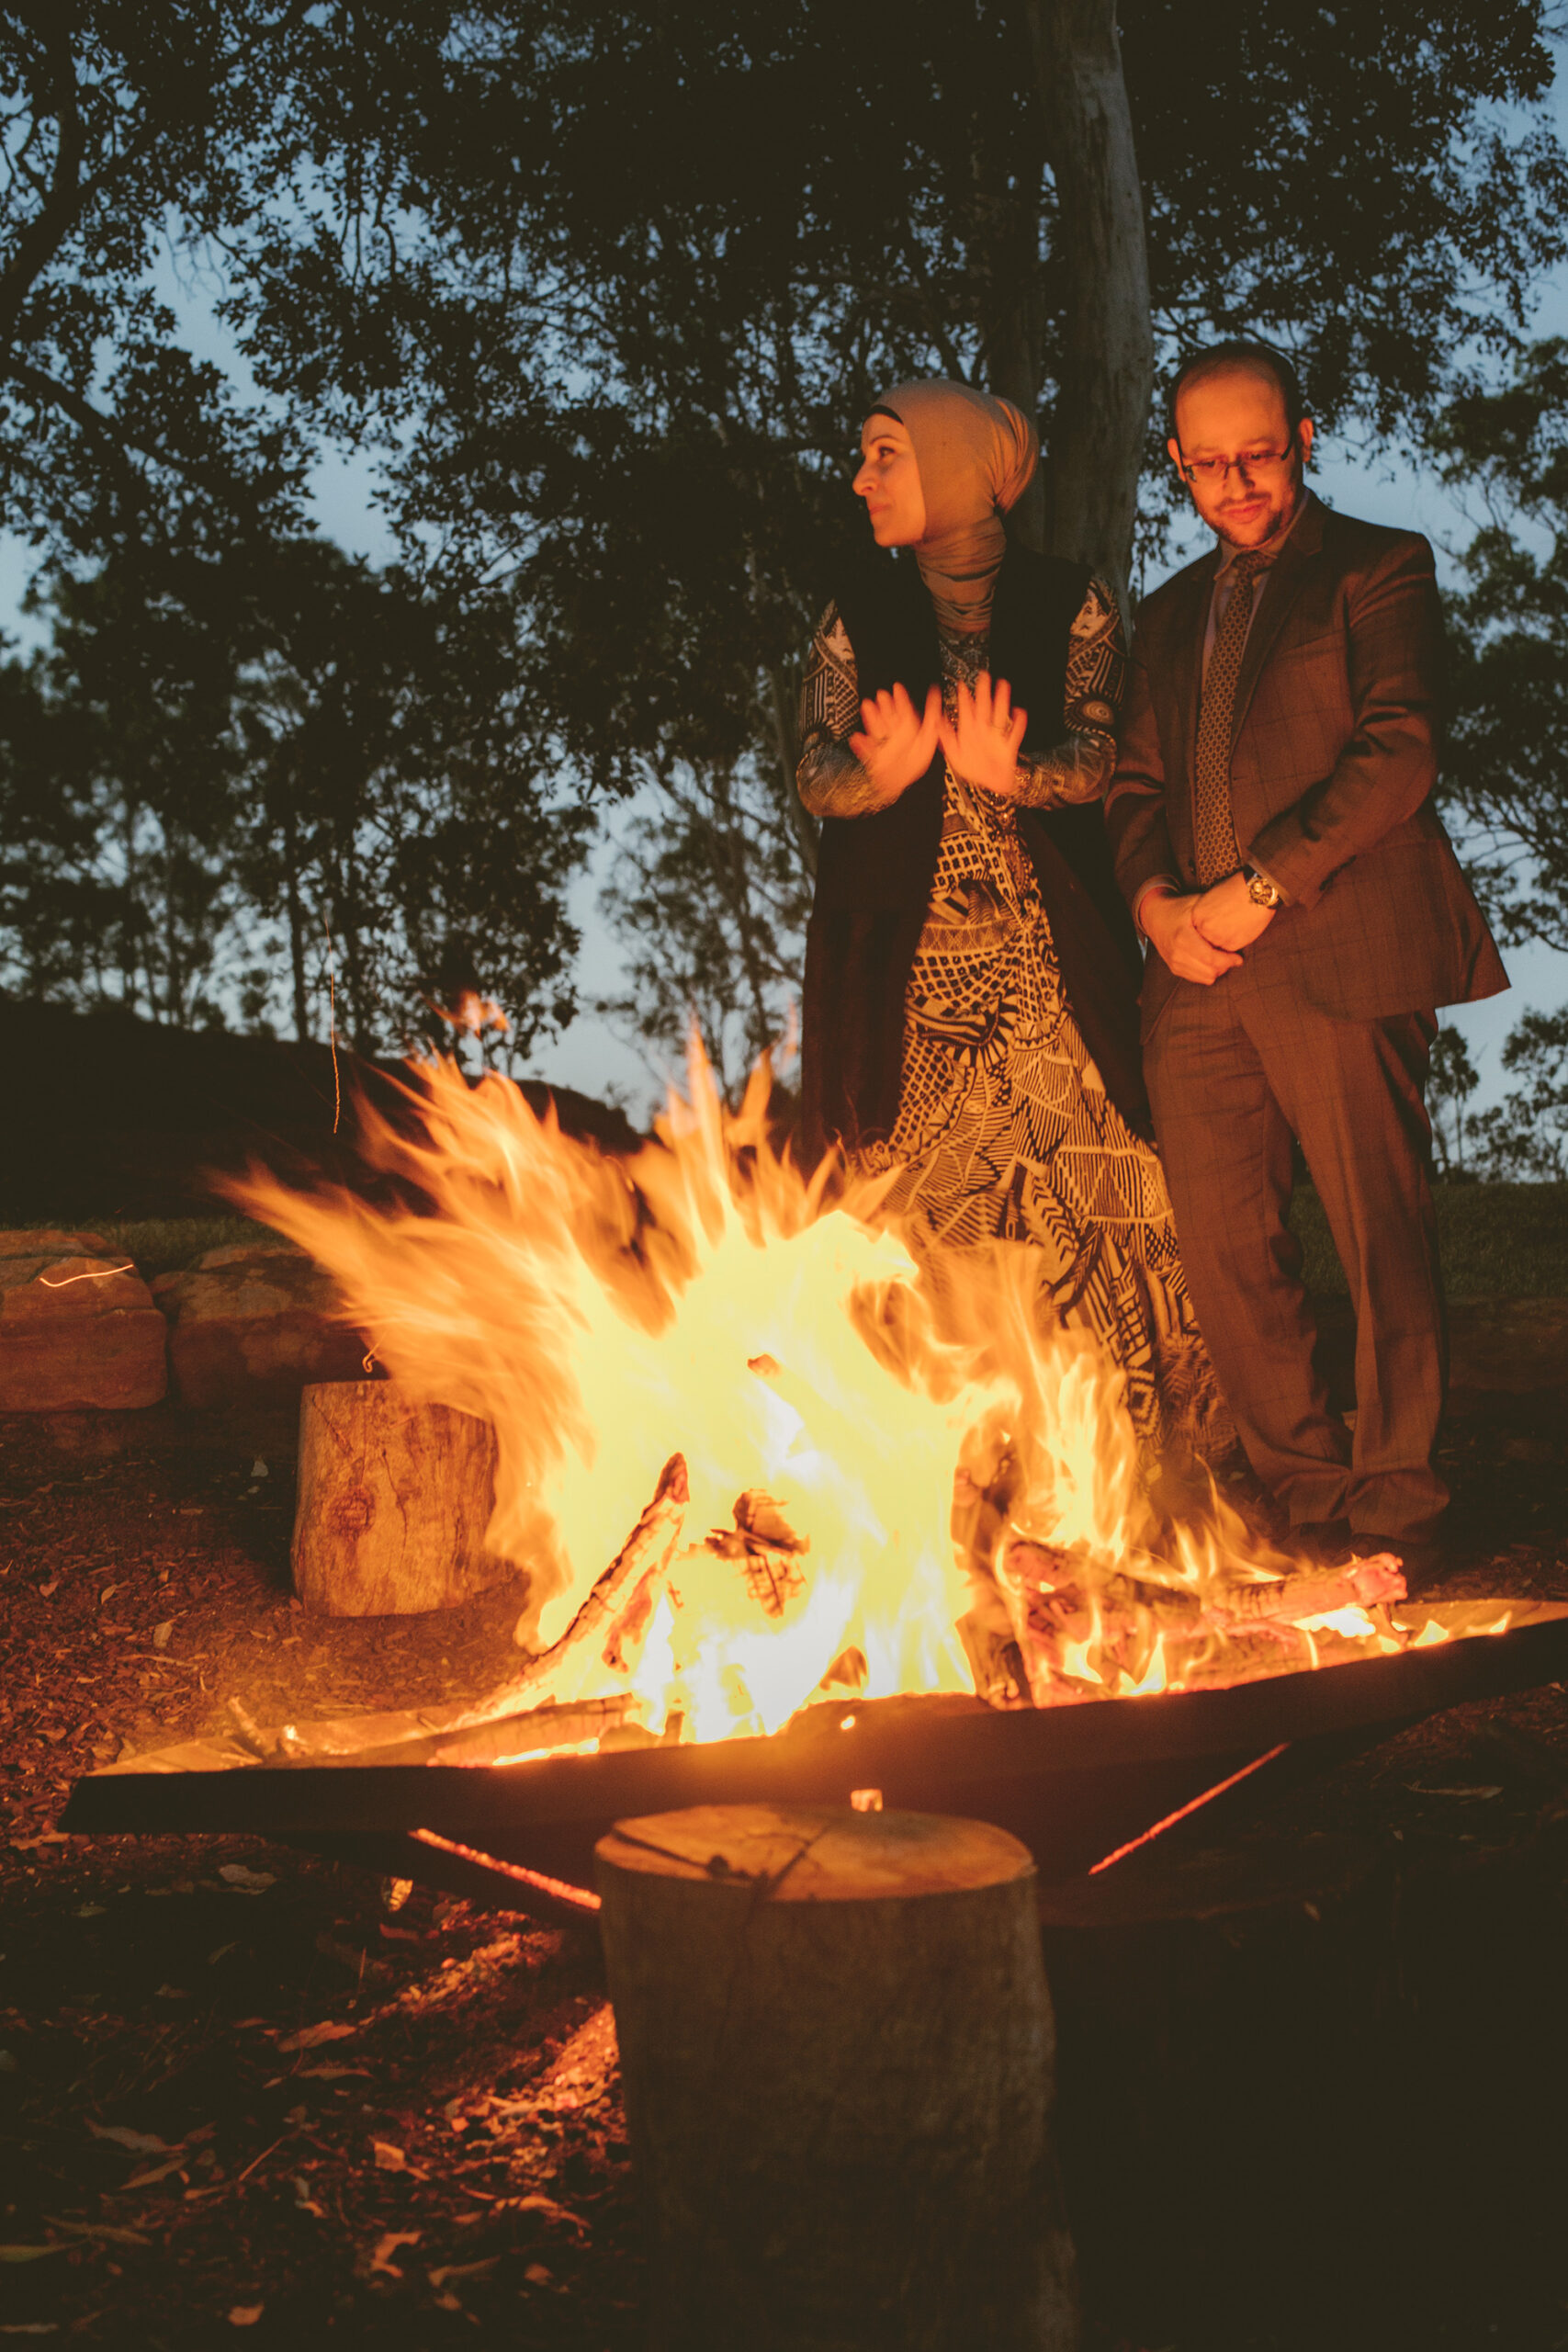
210	750
1525	1136
406	830
1505	449
119	796
1453	1082
708	901
1502	447
238	746
1521	1139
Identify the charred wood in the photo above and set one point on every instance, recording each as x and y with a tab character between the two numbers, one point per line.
596	1631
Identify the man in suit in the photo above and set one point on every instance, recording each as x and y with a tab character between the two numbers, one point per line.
1272	824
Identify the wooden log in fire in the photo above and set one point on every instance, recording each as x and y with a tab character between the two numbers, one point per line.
836	2048
393	1499
1065	1621
621	1596
1362	1584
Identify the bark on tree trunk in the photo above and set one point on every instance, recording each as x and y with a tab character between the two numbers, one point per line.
394	1498
296	920
1107	337
837	2049
780	715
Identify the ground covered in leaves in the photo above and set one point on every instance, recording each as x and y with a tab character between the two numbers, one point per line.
244	2089
239	2091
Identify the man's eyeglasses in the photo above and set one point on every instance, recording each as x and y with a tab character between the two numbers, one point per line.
1211	473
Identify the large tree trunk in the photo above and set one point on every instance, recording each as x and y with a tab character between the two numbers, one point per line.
780	711
837	2051
1107	337
296	917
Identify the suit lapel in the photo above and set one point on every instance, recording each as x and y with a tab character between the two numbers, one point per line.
1282	585
1189	629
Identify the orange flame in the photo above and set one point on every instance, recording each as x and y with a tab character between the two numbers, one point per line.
903	1466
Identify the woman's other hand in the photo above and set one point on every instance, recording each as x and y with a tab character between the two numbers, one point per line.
897	747
982	746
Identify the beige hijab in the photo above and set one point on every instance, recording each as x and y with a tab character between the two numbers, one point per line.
976	456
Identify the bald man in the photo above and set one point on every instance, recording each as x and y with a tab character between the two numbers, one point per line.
1272	824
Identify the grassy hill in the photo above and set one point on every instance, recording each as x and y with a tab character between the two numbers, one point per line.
1499	1240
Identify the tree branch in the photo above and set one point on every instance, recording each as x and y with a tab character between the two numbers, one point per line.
39	239
71	195
50	392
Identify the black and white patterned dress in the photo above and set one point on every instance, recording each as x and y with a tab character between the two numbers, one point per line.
1005	1130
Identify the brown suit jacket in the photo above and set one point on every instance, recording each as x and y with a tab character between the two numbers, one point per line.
1332	763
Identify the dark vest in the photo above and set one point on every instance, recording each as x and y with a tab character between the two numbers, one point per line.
875	874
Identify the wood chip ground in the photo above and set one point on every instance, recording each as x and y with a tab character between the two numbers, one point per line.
239	2093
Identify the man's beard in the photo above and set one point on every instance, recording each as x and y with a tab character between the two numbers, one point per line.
1278	515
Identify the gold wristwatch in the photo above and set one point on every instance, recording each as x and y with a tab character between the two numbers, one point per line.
1259	889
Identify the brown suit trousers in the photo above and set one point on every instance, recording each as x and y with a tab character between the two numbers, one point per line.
1324	1034
1235	1072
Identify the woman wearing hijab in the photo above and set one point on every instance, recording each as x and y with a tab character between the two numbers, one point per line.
970	1020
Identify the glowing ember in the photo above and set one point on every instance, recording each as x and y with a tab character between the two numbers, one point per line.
893	1479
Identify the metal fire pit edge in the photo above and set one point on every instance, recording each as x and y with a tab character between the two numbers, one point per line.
1073	1781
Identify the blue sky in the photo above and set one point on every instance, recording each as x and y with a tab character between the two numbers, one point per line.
588	1055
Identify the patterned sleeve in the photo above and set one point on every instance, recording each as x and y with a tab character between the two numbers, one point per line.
828	777
1080	767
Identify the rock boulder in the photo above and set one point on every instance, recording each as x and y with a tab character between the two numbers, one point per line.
77	1327
253	1324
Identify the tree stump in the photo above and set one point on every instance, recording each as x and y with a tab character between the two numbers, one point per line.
837	2048
393	1501
1223	2022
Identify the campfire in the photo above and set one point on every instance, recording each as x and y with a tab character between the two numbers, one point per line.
876	1530
846	1474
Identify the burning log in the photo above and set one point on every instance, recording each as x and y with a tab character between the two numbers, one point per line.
1362	1585
394	1498
1077	1626
769	1548
620	1603
837	2048
994	1658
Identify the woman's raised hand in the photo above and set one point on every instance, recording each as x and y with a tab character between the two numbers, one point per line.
897	746
982	747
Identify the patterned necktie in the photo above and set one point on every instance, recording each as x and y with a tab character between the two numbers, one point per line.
1215	846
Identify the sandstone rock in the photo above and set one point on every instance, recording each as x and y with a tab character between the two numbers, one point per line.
254	1323
44	1242
77	1327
